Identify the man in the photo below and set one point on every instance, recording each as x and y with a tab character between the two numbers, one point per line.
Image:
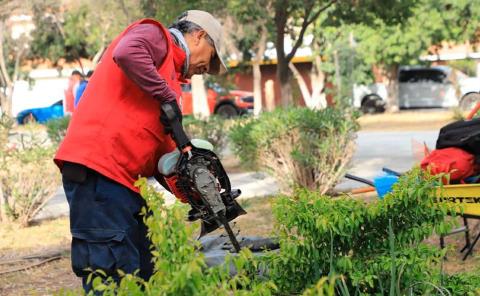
115	136
81	88
73	83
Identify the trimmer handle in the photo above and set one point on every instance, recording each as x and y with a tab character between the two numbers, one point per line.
473	111
178	134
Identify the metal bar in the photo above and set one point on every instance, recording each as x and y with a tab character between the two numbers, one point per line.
362	180
232	237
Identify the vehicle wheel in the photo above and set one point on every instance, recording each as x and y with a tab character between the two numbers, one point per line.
227	111
29	118
372	104
469	101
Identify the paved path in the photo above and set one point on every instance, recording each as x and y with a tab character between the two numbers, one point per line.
393	150
374	151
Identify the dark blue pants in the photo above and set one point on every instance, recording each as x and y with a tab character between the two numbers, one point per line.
107	231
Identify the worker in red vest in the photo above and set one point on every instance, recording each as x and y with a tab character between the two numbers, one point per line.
117	135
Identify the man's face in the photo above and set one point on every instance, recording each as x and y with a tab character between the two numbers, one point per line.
201	53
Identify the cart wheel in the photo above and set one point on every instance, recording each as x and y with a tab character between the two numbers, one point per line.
469	101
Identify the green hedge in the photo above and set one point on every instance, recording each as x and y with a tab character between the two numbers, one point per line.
57	128
215	129
327	247
299	146
320	235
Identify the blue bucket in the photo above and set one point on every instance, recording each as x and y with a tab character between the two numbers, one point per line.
383	184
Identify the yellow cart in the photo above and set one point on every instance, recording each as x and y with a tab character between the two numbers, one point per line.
465	199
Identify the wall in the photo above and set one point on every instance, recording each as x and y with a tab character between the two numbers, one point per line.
244	81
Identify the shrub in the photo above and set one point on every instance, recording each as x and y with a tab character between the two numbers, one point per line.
57	128
467	284
215	130
179	268
377	247
28	178
374	249
299	146
6	124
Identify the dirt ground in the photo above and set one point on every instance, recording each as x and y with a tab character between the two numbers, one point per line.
53	237
48	238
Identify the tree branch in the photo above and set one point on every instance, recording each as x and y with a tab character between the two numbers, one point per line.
280	23
7	7
3	68
18	58
305	24
58	25
125	10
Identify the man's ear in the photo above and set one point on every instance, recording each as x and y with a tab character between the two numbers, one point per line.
199	35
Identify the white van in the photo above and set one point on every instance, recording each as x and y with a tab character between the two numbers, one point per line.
422	87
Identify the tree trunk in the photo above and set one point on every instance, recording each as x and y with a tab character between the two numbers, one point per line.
284	12
6	99
257	74
269	95
283	76
392	88
286	94
3	207
125	11
338	76
257	89
230	24
79	60
316	99
7	105
5	102
307	97
318	83
98	56
199	97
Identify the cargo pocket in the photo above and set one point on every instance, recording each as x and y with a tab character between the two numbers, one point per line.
107	250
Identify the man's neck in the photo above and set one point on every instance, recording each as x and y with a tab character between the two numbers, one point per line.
180	41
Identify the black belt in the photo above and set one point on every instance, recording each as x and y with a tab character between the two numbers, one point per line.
74	172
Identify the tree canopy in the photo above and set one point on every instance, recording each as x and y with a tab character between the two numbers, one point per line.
390	45
382	33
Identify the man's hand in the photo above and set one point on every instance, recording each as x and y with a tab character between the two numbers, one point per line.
164	119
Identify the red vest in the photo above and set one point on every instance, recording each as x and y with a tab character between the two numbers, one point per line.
116	130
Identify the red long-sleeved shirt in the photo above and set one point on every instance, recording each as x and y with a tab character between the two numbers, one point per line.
139	54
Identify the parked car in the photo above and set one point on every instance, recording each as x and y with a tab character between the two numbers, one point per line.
220	102
224	103
41	115
421	87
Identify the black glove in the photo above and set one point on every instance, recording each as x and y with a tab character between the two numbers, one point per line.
163	118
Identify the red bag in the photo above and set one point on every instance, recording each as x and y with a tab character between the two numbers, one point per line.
459	163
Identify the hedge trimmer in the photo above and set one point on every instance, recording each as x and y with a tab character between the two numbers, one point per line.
198	178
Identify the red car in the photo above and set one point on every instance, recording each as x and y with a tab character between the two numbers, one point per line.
224	103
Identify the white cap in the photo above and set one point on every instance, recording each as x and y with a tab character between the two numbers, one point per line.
214	29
